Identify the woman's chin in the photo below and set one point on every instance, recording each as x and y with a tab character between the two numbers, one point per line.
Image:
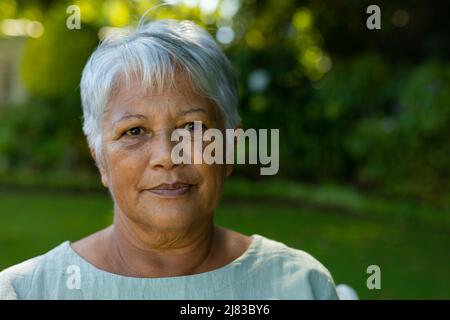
170	218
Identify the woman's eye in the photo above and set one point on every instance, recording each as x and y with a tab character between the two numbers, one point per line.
134	131
191	126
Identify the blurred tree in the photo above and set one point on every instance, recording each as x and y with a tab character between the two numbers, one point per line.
52	64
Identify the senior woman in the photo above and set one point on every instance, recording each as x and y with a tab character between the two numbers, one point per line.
136	89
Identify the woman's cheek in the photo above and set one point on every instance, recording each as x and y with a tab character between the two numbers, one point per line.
125	168
213	183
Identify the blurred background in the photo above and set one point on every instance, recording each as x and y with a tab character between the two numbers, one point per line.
364	119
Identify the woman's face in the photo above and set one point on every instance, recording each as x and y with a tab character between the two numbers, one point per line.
136	165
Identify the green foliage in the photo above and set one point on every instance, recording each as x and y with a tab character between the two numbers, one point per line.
43	136
354	89
371	111
404	150
52	64
425	99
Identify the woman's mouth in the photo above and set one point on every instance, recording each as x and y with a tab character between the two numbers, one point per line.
171	190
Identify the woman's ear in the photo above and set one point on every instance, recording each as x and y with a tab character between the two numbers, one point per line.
101	168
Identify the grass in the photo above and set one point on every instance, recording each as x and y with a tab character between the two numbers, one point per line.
413	253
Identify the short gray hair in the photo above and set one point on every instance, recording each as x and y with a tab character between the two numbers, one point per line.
153	51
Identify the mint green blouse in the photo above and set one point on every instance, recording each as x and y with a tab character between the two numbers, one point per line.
268	269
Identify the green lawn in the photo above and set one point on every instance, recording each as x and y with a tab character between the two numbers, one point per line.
414	256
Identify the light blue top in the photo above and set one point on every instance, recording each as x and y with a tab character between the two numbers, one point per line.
268	269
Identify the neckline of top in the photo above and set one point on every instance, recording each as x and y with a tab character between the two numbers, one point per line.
254	244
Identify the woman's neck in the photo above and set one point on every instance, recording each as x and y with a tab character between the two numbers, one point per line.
137	251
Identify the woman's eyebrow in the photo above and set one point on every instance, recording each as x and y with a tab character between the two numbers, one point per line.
192	110
130	116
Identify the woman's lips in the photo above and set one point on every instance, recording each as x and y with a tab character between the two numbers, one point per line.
171	190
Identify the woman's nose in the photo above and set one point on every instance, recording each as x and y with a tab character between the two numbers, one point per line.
161	150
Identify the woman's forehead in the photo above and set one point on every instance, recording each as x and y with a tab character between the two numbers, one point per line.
177	97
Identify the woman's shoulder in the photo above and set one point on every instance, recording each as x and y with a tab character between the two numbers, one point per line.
16	280
271	249
294	268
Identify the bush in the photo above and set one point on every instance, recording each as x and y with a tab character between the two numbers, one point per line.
405	151
43	136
